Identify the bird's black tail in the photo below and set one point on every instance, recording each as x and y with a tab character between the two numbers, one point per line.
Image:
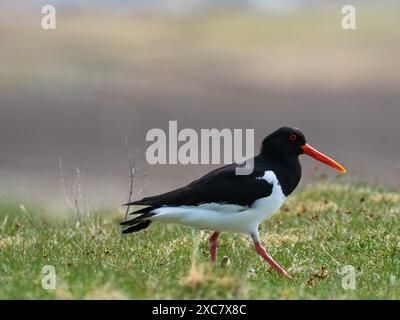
134	227
139	223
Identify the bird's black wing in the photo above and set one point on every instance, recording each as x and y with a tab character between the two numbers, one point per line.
219	186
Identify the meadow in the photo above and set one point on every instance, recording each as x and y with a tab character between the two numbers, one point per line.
77	92
322	228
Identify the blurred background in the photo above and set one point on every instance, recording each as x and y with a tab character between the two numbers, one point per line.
112	70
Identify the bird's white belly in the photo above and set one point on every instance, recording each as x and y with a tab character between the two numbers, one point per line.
226	217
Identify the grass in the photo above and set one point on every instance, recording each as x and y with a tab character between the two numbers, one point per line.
321	229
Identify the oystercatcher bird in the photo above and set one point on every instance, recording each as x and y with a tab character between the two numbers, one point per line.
224	201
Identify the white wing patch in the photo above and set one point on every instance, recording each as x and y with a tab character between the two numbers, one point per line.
270	177
274	201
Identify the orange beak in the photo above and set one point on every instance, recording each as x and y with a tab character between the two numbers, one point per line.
310	151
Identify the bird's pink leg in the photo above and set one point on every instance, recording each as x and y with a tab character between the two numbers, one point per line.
213	242
263	253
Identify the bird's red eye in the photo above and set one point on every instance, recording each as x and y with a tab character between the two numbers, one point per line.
293	137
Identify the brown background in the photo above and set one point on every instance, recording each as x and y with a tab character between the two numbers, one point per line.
111	72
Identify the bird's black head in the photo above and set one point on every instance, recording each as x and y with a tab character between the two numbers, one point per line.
288	143
284	142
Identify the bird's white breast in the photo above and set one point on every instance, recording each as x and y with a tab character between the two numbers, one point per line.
275	200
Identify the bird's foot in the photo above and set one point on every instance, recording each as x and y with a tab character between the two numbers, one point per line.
286	275
263	253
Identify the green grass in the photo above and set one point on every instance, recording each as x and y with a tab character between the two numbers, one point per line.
321	229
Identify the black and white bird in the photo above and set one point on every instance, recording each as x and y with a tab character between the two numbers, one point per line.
222	200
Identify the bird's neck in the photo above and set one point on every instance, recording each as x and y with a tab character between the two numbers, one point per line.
287	170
